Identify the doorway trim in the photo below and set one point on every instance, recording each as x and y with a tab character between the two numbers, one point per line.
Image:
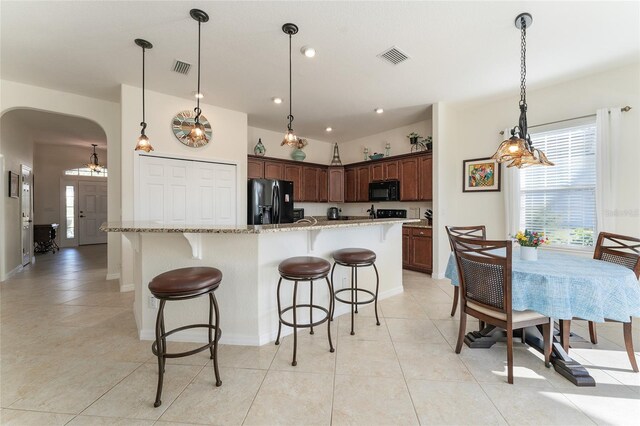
29	215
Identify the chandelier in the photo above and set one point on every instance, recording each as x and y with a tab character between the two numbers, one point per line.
197	133
290	137
143	143
93	163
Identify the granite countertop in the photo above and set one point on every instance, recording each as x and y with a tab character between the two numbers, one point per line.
421	223
158	227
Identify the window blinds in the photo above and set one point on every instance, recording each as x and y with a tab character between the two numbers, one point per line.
560	200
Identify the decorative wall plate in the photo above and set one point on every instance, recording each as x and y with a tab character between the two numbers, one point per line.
182	124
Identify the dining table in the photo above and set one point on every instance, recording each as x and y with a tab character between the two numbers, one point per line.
563	286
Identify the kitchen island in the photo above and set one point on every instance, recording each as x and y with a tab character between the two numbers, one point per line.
248	257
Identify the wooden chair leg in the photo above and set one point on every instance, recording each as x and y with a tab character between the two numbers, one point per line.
546	336
461	331
628	343
456	292
565	332
510	355
592	333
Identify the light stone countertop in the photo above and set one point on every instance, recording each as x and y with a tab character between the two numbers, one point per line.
421	223
321	223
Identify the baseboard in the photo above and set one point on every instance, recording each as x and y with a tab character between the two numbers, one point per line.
12	273
114	276
437	276
127	287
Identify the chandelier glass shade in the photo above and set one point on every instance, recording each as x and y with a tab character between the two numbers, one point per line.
197	134
143	143
290	137
94	163
517	150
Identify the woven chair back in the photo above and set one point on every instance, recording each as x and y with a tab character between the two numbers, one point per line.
619	249
478	231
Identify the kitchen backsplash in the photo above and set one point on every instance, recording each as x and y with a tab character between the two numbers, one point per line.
415	209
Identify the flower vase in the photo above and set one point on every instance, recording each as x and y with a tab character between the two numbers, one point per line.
298	155
528	253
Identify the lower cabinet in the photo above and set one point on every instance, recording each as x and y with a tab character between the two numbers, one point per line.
417	249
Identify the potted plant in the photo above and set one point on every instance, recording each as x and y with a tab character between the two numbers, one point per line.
298	154
529	243
428	142
413	138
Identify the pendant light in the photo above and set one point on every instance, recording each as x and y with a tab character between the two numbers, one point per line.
93	163
290	137
143	143
518	150
197	133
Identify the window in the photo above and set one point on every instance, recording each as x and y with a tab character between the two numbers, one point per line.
69	211
85	171
560	200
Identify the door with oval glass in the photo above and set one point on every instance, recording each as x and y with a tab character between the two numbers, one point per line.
92	212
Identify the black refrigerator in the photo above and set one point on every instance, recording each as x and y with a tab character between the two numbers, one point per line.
269	201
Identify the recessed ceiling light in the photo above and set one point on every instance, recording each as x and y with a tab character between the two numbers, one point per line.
197	95
328	129
379	110
277	100
307	51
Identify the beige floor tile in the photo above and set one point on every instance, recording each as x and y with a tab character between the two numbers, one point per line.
367	358
134	396
441	311
523	405
103	299
203	402
453	403
402	306
372	401
414	330
92	317
365	328
431	361
313	355
293	399
606	404
107	421
257	357
35	418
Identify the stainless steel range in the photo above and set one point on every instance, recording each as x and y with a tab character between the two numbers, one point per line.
391	213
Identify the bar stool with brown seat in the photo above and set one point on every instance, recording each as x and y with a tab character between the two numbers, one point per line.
355	258
304	268
182	284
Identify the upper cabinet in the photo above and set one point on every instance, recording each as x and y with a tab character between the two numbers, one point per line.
317	183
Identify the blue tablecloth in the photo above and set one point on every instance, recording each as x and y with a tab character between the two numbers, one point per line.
562	286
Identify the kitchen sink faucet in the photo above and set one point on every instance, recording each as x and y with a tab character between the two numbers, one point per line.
372	212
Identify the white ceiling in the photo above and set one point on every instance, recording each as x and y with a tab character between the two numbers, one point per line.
459	51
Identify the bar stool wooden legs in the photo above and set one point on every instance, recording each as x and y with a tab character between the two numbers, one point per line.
355	258
304	268
182	284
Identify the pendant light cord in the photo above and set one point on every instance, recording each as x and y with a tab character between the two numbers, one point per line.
523	62
198	110
290	117
144	121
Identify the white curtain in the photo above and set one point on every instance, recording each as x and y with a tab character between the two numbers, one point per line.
511	193
607	137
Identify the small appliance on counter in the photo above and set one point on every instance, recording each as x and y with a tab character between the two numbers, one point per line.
298	214
429	216
384	191
333	213
391	213
269	201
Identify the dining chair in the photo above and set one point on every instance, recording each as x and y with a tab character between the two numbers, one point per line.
484	268
480	232
624	251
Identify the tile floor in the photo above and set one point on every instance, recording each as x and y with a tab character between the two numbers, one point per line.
69	354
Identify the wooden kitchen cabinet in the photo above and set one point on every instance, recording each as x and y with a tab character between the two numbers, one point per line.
417	249
350	185
293	173
425	175
323	185
392	170
362	189
273	170
409	179
385	170
336	184
310	188
255	168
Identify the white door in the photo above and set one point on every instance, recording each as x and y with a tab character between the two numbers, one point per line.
26	208
92	212
186	192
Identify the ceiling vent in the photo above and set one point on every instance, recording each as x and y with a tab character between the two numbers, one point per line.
181	67
393	55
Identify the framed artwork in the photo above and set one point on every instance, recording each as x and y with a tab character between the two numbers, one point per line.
480	175
14	185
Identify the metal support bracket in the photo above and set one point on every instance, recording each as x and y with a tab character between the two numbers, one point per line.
312	236
384	231
195	241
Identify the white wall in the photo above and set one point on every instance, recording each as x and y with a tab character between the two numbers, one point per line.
16	148
228	145
353	151
471	131
107	114
50	161
317	151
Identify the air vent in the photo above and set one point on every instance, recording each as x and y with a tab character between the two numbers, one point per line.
181	67
393	55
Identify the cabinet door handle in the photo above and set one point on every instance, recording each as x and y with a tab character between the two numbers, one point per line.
421	233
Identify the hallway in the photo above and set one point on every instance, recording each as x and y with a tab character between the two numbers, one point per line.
70	354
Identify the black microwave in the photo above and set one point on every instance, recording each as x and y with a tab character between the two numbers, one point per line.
384	191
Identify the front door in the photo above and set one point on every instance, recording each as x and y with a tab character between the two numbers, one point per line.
92	212
26	210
